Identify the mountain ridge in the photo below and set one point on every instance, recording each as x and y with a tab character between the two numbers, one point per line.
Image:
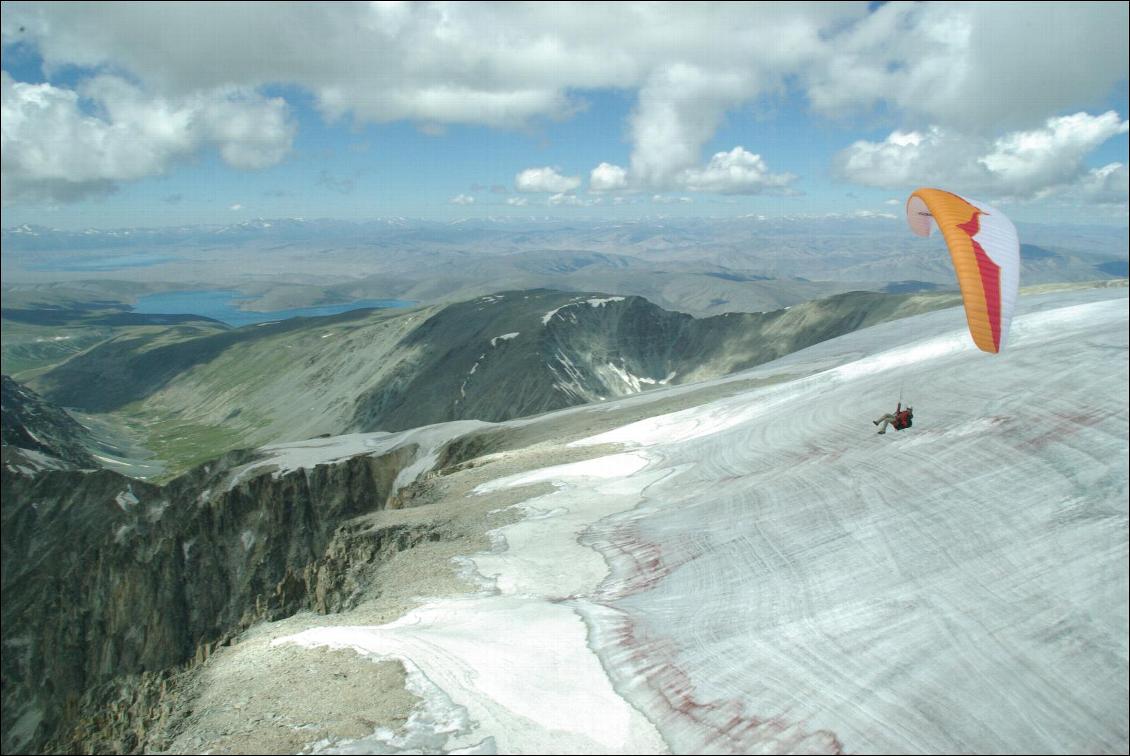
491	358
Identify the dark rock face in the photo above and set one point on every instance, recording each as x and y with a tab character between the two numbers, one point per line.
29	422
520	353
110	583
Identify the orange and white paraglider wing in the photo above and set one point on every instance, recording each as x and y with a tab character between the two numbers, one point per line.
986	257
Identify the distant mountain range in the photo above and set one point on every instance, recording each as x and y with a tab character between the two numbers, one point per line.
693	265
672	230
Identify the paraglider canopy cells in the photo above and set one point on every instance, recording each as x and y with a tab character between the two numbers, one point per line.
985	251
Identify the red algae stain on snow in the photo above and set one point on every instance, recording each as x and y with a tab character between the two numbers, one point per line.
638	564
652	662
718	726
1063	425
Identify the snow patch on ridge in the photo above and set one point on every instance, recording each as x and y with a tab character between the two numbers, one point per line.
590	302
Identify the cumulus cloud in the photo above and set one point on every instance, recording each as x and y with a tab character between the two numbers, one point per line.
434	63
967	68
236	207
1106	189
904	158
607	178
974	66
54	148
500	65
663	199
680	108
1041	159
735	172
1021	164
545	180
517	201
1109	185
462	199
572	200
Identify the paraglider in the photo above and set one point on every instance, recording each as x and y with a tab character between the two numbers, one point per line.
985	251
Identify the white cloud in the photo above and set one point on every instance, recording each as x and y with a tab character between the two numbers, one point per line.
974	67
662	199
573	200
517	201
55	149
735	172
236	207
435	63
462	199
545	180
1106	188
251	132
904	159
968	68
680	108
1038	160
608	178
1020	164
501	64
1109	185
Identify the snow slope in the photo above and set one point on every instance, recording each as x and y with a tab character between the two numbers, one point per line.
764	573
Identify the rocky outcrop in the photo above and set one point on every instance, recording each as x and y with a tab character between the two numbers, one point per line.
340	578
32	424
111	585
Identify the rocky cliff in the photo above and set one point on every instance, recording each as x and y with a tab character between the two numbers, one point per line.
112	585
36	434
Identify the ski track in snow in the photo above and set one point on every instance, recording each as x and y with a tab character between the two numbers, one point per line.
765	573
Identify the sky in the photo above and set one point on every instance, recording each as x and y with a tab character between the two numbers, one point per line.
161	114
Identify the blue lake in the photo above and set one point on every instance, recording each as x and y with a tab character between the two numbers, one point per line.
223	305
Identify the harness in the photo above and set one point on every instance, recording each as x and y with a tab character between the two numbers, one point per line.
904	418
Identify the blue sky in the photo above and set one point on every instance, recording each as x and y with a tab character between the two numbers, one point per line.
167	114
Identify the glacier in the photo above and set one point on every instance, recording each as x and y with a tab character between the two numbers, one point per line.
765	573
